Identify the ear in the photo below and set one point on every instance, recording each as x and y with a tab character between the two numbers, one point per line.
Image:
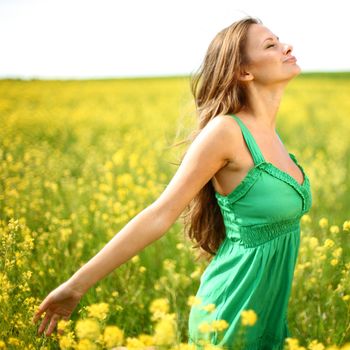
245	76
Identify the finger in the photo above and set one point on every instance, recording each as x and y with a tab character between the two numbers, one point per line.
52	324
41	309
44	322
37	315
65	318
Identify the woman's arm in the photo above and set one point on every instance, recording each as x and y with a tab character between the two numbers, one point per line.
206	155
209	152
143	229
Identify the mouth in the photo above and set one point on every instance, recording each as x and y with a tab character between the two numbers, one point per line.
290	59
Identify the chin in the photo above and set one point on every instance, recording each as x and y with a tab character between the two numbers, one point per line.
298	69
295	71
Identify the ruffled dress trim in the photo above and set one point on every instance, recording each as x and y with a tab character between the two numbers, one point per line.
303	189
260	163
252	236
253	174
242	188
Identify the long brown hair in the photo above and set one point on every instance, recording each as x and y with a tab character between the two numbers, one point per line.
216	91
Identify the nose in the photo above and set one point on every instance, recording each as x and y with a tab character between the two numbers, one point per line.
287	48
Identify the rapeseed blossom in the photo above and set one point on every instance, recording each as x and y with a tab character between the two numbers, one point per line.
249	317
99	311
66	205
323	222
165	332
87	329
113	336
159	308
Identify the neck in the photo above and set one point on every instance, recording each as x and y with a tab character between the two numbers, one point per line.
263	104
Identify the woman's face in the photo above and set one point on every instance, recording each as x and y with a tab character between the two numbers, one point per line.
268	57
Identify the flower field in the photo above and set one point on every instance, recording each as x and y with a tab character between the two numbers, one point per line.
79	159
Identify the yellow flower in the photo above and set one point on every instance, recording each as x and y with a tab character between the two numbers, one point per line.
87	329
334	262
315	345
184	346
334	229
346	346
146	339
142	269
193	300
306	218
313	280
14	341
98	311
346	225
346	297
165	332
212	347
66	341
85	344
293	343
196	273
249	317
134	343
169	264
219	325
2	345
329	243
63	325
113	336
209	307
323	222
313	242
338	252
135	259
205	327
160	305
109	165
118	157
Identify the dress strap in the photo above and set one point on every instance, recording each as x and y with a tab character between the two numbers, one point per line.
250	141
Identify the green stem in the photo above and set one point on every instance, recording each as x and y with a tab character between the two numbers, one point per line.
348	327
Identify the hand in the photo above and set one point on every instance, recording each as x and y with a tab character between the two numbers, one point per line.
60	303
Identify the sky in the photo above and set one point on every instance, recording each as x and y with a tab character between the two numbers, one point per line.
72	39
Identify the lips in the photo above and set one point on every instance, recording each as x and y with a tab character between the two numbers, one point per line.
290	59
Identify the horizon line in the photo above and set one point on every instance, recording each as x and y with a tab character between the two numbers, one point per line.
129	77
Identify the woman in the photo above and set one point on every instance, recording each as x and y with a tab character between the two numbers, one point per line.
245	192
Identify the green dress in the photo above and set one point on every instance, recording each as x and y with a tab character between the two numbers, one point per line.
254	264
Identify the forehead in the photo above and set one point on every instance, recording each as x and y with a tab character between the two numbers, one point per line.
256	35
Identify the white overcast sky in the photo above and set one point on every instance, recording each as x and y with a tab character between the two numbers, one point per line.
125	38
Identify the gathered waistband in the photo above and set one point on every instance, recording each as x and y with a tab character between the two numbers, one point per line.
251	236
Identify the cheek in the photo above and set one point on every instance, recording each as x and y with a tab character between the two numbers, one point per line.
268	60
265	66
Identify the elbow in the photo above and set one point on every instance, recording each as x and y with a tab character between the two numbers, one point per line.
163	216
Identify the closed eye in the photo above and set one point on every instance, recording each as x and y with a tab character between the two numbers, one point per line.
270	46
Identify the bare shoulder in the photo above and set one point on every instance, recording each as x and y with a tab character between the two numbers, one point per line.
224	125
211	150
225	131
